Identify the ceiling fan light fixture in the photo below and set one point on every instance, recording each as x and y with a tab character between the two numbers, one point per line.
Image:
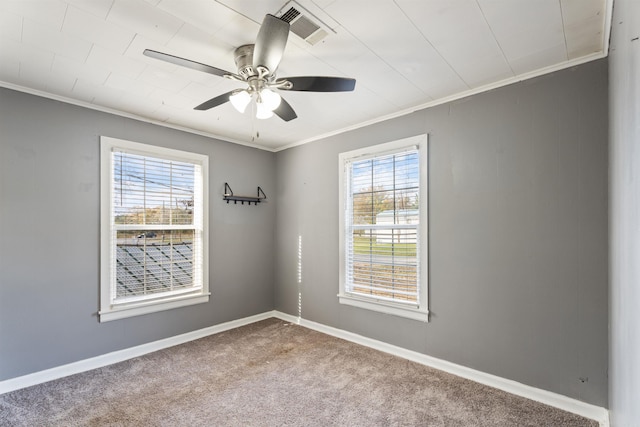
257	64
240	100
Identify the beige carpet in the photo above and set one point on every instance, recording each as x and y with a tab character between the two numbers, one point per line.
272	373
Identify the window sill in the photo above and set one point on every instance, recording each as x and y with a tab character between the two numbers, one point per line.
384	307
120	312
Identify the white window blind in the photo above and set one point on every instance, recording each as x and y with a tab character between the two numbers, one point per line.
383	219
155	231
383	215
157	234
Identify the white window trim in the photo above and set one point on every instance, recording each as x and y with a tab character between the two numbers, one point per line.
108	310
421	312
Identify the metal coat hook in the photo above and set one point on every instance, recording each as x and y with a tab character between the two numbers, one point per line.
229	196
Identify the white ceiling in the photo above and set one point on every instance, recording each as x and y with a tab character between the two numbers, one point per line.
404	54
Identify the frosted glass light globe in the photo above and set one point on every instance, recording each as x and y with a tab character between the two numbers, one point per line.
270	99
240	100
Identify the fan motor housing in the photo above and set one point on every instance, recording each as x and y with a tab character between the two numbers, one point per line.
244	60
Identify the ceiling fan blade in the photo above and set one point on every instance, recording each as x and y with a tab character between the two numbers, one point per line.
284	111
321	84
185	63
214	102
270	43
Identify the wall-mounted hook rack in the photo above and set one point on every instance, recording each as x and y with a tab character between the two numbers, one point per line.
229	197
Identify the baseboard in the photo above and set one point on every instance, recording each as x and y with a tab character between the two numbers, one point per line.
565	403
122	355
552	399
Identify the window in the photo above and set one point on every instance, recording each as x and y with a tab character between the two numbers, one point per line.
383	232
153	229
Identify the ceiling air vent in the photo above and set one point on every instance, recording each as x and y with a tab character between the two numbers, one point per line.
303	24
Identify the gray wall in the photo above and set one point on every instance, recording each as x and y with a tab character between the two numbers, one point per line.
49	235
624	77
518	233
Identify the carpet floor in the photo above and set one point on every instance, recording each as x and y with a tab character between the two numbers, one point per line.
272	373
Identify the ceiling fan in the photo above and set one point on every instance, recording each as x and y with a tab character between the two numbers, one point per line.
257	64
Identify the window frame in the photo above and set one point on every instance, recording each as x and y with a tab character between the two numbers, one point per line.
109	309
419	311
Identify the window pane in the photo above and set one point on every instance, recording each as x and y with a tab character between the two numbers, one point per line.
406	170
149	190
370	204
383	172
385	189
384	264
406	203
153	261
361	178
